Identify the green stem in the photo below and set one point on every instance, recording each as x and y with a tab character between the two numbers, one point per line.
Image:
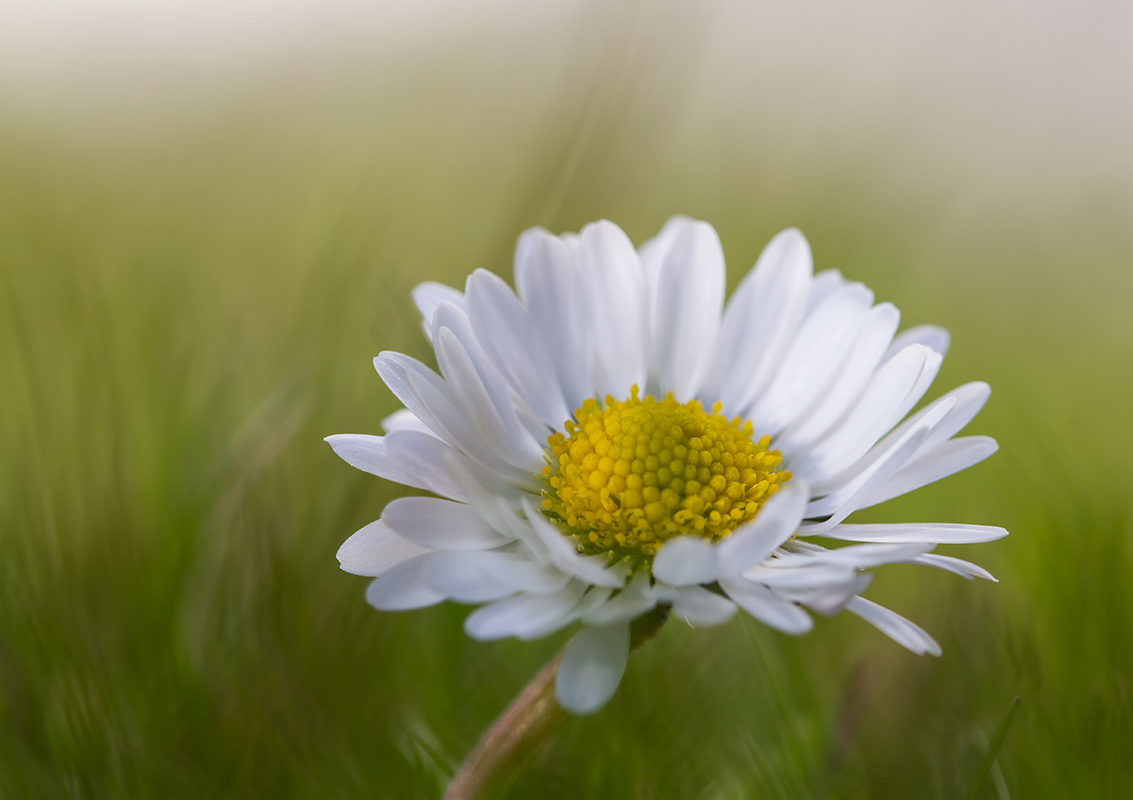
533	717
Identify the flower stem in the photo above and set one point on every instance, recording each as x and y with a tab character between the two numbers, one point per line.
533	717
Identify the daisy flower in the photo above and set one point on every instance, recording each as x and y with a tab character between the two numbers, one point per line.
611	437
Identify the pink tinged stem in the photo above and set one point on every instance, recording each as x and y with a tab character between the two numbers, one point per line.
529	722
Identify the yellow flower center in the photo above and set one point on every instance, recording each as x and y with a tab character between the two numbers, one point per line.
625	477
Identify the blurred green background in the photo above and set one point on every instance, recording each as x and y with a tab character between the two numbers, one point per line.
199	257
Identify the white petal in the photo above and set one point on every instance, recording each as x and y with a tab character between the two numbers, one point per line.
428	297
424	393
945	417
405	420
931	336
405	457
615	293
933	532
878	409
894	626
654	251
561	552
965	569
502	325
503	397
800	576
947	459
937	415
477	577
490	412
825	284
592	668
776	521
849	497
863	556
766	606
375	549
814	358
516	616
652	254
403	588
695	604
924	381
686	561
549	282
835	402
595	598
499	509
629	604
832	599
760	321
690	294
441	525
970	398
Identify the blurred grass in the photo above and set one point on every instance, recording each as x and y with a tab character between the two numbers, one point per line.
187	312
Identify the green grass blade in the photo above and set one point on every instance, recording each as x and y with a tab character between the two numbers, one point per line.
993	750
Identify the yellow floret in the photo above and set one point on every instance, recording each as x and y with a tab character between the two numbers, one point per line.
626	476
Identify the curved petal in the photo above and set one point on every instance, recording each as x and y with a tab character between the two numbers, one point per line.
835	402
895	626
548	280
970	398
934	532
766	606
800	576
652	254
947	459
849	497
405	420
695	604
562	553
933	337
490	412
503	327
629	604
424	393
878	409
428	296
690	295
965	569
615	293
406	457
828	600
519	615
825	283
592	667
860	556
686	561
813	360
441	524
831	602
375	550
513	410
774	524
403	588
760	320
477	577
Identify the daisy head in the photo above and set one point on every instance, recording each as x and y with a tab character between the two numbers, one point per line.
612	438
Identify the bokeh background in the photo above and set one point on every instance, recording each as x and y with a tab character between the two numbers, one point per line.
211	216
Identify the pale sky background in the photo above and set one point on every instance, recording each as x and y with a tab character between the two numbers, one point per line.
1004	91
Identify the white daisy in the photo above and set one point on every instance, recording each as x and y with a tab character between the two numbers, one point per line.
611	438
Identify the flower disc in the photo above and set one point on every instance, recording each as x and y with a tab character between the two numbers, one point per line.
631	474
